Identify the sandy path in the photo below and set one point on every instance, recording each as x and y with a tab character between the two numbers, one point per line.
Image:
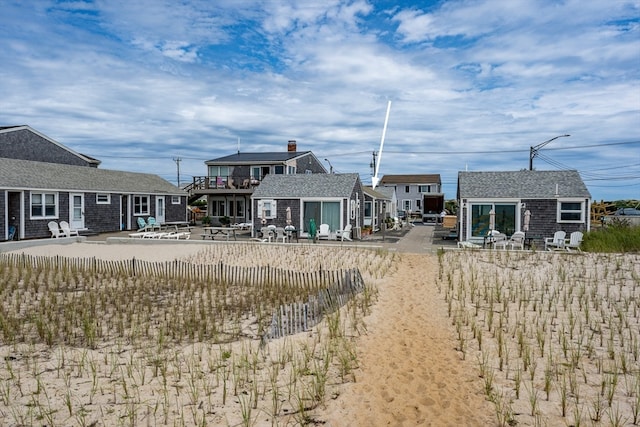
410	373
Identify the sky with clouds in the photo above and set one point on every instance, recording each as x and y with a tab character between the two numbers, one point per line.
472	84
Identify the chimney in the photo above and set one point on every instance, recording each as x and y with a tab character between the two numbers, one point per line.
291	146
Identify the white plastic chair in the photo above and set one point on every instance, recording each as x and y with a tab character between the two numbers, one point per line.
55	229
324	231
575	239
344	234
281	235
555	242
67	230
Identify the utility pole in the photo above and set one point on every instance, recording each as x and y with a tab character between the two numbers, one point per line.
373	163
533	151
178	160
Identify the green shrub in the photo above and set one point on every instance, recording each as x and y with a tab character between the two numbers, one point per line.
616	237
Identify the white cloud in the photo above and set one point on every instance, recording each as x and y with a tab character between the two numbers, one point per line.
138	83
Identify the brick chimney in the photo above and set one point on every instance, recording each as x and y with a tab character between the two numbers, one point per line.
292	146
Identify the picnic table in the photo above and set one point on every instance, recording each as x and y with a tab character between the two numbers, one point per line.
212	232
177	225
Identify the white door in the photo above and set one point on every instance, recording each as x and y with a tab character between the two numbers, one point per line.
76	211
160	209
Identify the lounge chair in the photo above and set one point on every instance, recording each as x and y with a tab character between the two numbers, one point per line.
574	242
324	232
555	242
67	230
344	234
55	230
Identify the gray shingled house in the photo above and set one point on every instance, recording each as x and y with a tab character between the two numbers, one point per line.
333	199
556	200
41	180
231	180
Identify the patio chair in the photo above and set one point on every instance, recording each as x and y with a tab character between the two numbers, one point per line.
498	239
574	242
281	235
555	242
67	230
55	229
267	234
344	234
142	224
517	239
152	224
324	231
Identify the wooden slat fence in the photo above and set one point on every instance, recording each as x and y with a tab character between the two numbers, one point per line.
257	275
301	316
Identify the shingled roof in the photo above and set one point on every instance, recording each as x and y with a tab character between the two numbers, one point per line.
307	185
523	184
26	174
433	178
244	158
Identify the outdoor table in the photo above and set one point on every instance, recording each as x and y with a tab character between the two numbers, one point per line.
528	241
212	232
291	231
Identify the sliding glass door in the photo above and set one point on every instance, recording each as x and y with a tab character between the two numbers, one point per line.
505	217
321	213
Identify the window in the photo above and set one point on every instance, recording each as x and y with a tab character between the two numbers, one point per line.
141	205
239	209
367	209
278	169
406	204
103	199
424	188
218	208
406	188
44	205
267	209
175	200
570	211
222	171
418	203
291	170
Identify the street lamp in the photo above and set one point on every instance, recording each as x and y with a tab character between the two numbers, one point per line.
330	165
533	151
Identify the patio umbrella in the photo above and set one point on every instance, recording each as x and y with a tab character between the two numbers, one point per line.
527	218
288	215
492	220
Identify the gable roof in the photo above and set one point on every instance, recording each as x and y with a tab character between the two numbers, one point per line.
26	174
307	185
268	157
24	133
523	184
411	179
375	194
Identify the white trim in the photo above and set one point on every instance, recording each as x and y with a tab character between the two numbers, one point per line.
559	211
45	216
107	202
